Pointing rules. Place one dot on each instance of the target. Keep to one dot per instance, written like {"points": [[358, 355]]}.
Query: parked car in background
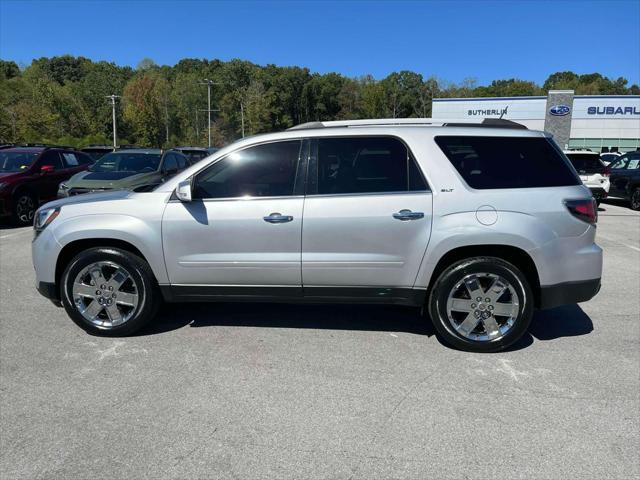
{"points": [[97, 151], [609, 157], [479, 226], [194, 154], [593, 172], [30, 175], [126, 170], [625, 178]]}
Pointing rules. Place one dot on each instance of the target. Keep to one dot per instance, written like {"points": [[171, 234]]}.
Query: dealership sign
{"points": [[560, 110], [609, 110]]}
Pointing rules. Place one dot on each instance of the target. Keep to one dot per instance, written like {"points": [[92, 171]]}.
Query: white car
{"points": [[593, 172], [479, 223]]}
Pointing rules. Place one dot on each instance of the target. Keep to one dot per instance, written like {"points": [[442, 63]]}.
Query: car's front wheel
{"points": [[635, 199], [481, 304], [109, 291], [24, 208]]}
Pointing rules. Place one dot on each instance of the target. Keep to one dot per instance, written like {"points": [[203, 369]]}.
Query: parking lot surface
{"points": [[281, 391]]}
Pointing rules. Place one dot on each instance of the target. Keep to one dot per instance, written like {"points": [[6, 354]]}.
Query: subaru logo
{"points": [[559, 110]]}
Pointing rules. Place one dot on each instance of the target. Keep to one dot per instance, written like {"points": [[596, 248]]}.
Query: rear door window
{"points": [[366, 165], [70, 159], [507, 162], [52, 159]]}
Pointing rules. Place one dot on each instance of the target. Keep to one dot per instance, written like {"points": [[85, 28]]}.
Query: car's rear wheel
{"points": [[24, 208], [108, 291], [635, 199], [481, 304]]}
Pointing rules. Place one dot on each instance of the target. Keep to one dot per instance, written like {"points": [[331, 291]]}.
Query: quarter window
{"points": [[267, 170], [366, 165]]}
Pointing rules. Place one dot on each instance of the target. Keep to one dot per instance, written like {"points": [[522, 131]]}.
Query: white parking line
{"points": [[609, 239]]}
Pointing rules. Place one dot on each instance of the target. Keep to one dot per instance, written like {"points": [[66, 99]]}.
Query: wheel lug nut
{"points": [[114, 295], [473, 305], [490, 307], [488, 300], [479, 299], [98, 292], [103, 286], [110, 289]]}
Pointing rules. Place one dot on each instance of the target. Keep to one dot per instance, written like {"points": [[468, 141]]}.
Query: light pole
{"points": [[113, 110], [208, 83]]}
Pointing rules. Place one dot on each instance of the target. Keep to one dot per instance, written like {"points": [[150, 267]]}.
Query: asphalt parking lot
{"points": [[278, 391]]}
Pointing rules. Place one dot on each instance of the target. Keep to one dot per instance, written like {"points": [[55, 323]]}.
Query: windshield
{"points": [[127, 162], [16, 161]]}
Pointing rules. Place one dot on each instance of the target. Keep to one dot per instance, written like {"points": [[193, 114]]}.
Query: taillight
{"points": [[607, 171], [585, 210]]}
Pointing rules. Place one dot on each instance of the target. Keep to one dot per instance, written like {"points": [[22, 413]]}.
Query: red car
{"points": [[30, 175]]}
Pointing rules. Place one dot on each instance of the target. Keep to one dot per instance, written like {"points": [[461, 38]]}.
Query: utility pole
{"points": [[113, 109], [208, 83], [242, 117]]}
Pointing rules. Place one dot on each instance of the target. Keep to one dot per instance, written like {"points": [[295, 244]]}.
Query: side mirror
{"points": [[183, 191], [47, 169]]}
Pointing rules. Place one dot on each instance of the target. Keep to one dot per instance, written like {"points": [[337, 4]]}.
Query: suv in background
{"points": [[97, 151], [194, 154], [593, 172], [126, 170], [479, 226], [625, 178], [30, 175]]}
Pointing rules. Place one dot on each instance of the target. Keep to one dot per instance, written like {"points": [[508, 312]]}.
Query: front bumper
{"points": [[552, 296], [49, 290]]}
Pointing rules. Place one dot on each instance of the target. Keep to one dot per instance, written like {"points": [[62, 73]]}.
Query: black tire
{"points": [[24, 206], [140, 274], [635, 199], [448, 280]]}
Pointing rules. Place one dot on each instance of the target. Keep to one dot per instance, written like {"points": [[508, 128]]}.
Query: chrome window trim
{"points": [[238, 199], [368, 194]]}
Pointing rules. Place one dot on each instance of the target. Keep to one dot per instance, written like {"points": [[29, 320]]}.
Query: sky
{"points": [[451, 40]]}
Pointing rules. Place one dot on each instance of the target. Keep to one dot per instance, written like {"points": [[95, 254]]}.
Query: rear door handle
{"points": [[405, 215], [278, 218]]}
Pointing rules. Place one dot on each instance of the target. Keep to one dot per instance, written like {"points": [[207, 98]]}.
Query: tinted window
{"points": [[170, 162], [53, 159], [262, 171], [586, 163], [182, 162], [84, 159], [70, 159], [507, 162], [366, 165]]}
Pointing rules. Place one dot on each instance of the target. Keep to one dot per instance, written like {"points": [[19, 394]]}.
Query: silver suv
{"points": [[479, 223]]}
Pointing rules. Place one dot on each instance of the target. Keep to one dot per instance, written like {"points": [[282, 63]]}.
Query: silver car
{"points": [[480, 223]]}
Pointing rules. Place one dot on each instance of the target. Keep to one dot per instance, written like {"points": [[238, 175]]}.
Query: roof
{"points": [[151, 151], [199, 149], [18, 148], [412, 122]]}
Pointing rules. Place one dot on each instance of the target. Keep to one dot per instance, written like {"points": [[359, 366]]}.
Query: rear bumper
{"points": [[598, 192], [552, 296]]}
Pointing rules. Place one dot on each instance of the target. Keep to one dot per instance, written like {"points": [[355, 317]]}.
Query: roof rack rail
{"points": [[44, 145], [489, 123], [485, 123]]}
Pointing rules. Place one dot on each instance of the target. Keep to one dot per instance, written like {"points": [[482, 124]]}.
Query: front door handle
{"points": [[278, 218], [405, 215]]}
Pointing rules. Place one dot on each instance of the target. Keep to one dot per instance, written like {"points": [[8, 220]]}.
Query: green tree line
{"points": [[63, 99]]}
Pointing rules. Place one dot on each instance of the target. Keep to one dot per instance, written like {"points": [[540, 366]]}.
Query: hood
{"points": [[111, 180], [90, 198], [4, 176]]}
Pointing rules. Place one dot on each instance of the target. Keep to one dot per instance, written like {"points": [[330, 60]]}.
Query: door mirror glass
{"points": [[183, 191]]}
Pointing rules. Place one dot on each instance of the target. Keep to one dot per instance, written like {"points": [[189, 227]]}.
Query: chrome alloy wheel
{"points": [[105, 294], [25, 209], [482, 306]]}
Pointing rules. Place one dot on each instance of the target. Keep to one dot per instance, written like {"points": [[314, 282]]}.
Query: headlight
{"points": [[43, 218], [62, 186]]}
